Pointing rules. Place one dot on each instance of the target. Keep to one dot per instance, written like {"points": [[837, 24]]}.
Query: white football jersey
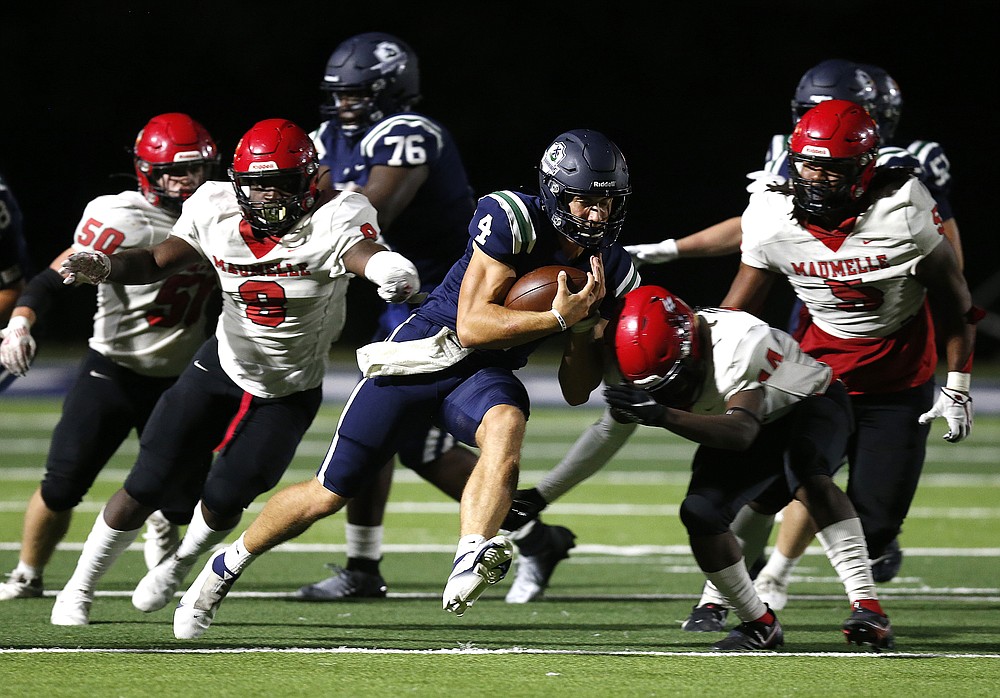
{"points": [[855, 285], [152, 329], [747, 353], [283, 300]]}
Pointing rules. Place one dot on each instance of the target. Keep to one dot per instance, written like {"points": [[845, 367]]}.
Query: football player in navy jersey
{"points": [[453, 363], [15, 264], [410, 168]]}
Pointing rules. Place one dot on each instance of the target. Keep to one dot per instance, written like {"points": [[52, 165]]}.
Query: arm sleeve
{"points": [[40, 290]]}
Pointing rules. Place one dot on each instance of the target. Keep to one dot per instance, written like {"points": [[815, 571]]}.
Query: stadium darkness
{"points": [[692, 97]]}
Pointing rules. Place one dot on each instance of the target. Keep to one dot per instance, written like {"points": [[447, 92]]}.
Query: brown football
{"points": [[536, 289]]}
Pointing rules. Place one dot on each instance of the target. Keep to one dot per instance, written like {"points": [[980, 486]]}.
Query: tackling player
{"points": [[763, 413], [283, 253]]}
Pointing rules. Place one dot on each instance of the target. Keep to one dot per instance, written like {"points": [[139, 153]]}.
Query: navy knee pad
{"points": [[61, 493]]}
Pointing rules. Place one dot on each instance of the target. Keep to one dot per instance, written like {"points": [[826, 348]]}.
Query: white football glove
{"points": [[395, 275], [18, 346], [956, 407], [653, 253], [85, 268]]}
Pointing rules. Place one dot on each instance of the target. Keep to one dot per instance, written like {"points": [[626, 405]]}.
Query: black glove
{"points": [[527, 505], [631, 405]]}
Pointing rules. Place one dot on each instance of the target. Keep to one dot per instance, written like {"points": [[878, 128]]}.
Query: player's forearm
{"points": [[581, 368], [714, 241]]}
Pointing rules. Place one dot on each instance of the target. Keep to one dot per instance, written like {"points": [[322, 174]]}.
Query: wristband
{"points": [[559, 318], [958, 381]]}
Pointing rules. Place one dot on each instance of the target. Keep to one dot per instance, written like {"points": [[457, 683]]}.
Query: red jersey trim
{"points": [[904, 359]]}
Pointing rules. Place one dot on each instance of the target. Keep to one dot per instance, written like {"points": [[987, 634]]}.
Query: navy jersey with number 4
{"points": [[512, 228]]}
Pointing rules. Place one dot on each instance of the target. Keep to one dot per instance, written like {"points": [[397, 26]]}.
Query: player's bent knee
{"points": [[60, 494], [701, 516]]}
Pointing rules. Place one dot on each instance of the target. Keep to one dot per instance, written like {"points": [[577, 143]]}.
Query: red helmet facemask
{"points": [[274, 174], [838, 137], [177, 145], [658, 348]]}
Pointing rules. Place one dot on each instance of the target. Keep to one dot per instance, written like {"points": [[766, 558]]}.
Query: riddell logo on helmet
{"points": [[602, 185], [187, 156], [262, 166], [816, 150]]}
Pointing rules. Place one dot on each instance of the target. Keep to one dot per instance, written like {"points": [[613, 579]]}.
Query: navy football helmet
{"points": [[177, 145], [840, 137], [584, 163], [889, 103], [835, 78], [368, 77], [275, 154]]}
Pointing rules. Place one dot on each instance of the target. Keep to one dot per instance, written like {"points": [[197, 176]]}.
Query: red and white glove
{"points": [[18, 346], [653, 253], [85, 268], [955, 405]]}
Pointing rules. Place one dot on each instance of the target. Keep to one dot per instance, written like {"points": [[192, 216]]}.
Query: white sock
{"points": [[752, 529], [27, 571], [237, 558], [199, 537], [735, 584], [103, 546], [844, 543], [364, 541], [592, 450], [779, 567], [711, 594]]}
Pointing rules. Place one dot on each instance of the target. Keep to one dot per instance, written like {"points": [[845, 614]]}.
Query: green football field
{"points": [[609, 626]]}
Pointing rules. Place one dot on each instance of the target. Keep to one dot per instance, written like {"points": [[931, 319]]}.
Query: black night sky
{"points": [[692, 95]]}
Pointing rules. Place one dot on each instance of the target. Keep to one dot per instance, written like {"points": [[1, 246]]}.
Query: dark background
{"points": [[691, 95]]}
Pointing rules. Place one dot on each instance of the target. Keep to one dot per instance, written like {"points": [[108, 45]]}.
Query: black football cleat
{"points": [[752, 636], [866, 627], [707, 618], [886, 566]]}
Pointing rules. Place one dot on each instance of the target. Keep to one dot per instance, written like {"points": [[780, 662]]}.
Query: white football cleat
{"points": [[476, 570], [157, 588], [18, 586], [533, 572], [72, 607], [159, 539], [197, 608], [771, 591]]}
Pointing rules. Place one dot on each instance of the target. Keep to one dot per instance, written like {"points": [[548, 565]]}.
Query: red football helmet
{"points": [[658, 347], [840, 137], [274, 174], [177, 145]]}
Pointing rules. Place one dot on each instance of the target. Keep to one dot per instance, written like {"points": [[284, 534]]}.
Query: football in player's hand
{"points": [[536, 289]]}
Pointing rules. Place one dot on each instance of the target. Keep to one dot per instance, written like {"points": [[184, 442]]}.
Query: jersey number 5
{"points": [[856, 297]]}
